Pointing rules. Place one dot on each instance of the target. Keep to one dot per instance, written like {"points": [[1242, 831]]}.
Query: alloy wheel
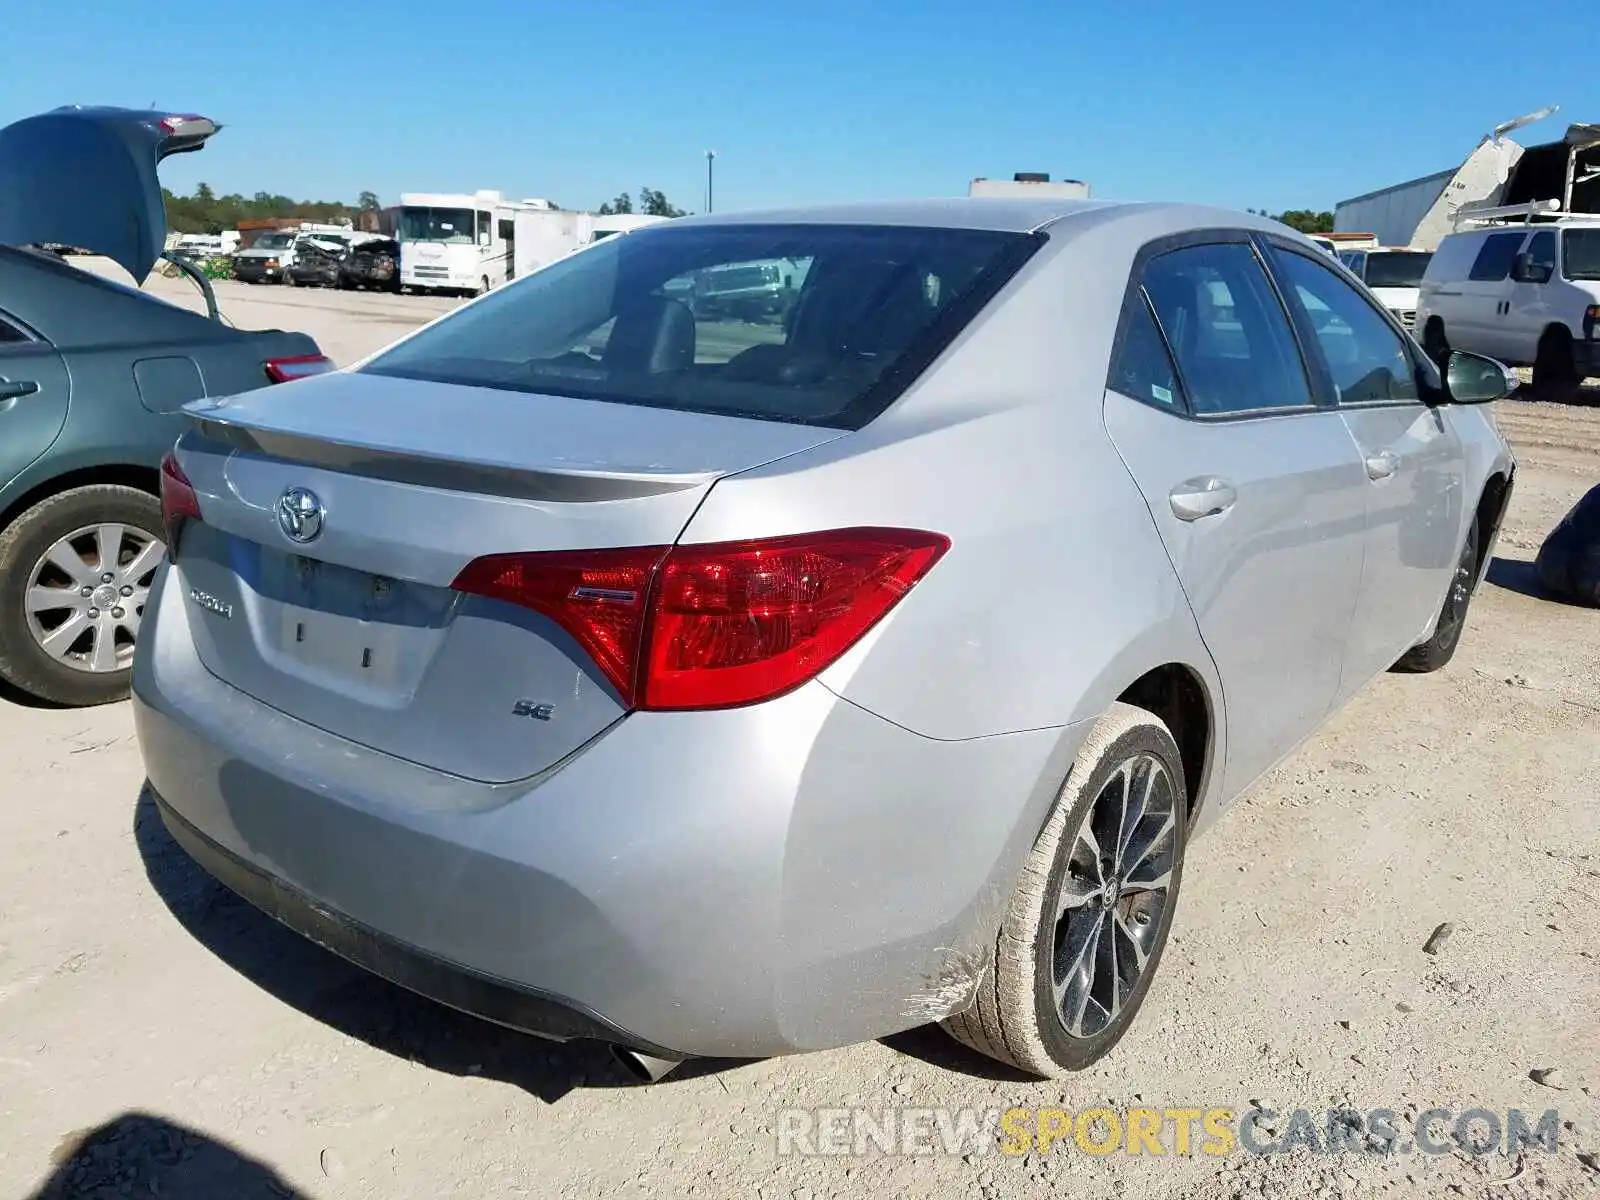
{"points": [[86, 595], [1114, 895]]}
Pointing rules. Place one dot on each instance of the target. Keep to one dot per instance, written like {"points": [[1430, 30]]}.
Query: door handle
{"points": [[1381, 466], [1203, 496], [12, 389]]}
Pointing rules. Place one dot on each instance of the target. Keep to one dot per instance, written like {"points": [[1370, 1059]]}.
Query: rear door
{"points": [[1411, 458], [1257, 489], [33, 397]]}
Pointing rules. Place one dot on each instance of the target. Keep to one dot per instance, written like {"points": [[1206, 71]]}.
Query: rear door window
{"points": [[1143, 368], [1495, 257], [816, 324], [1232, 340]]}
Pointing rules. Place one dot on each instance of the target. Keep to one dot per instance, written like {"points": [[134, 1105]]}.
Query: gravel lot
{"points": [[158, 1037]]}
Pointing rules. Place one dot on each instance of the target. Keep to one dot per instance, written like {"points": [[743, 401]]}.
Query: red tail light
{"points": [[718, 625], [299, 366], [178, 501]]}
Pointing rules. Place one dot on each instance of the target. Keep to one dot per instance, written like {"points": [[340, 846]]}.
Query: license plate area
{"points": [[333, 622]]}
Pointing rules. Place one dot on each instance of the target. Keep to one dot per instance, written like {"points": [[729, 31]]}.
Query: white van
{"points": [[1526, 294], [1393, 274]]}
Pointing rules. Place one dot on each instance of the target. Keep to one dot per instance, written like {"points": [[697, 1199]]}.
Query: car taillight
{"points": [[178, 501], [298, 366], [716, 625]]}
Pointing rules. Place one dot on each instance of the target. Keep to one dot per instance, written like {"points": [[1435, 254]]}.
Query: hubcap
{"points": [[86, 595], [1114, 895]]}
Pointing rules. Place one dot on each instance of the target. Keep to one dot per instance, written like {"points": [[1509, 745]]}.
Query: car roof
{"points": [[999, 213]]}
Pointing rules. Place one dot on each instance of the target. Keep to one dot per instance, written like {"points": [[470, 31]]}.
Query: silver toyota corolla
{"points": [[615, 666]]}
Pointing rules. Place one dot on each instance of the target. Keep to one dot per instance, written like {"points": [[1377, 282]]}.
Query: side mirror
{"points": [[1475, 379], [1525, 270]]}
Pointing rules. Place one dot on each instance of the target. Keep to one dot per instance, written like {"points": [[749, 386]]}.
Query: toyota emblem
{"points": [[300, 515]]}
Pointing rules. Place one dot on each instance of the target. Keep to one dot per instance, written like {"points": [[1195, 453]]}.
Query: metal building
{"points": [[1392, 214]]}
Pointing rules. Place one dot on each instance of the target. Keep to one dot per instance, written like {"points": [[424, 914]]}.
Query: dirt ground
{"points": [[159, 1037]]}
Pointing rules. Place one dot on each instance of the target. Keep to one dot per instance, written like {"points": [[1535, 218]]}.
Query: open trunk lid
{"points": [[86, 177], [336, 512]]}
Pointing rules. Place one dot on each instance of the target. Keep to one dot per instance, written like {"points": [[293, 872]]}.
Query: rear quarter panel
{"points": [[1056, 593]]}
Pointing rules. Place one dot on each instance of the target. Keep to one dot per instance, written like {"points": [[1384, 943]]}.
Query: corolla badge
{"points": [[300, 515]]}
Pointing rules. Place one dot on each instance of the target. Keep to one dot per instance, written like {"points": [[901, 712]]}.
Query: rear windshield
{"points": [[1396, 270], [816, 324]]}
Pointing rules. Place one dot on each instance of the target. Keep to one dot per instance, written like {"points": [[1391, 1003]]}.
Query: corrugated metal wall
{"points": [[1392, 213]]}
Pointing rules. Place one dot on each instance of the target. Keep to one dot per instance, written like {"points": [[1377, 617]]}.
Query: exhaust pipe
{"points": [[645, 1068]]}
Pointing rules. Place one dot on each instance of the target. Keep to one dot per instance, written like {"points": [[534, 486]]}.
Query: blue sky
{"points": [[1265, 105]]}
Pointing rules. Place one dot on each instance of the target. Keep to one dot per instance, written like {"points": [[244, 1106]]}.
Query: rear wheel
{"points": [[1441, 647], [483, 285], [1555, 371], [1082, 938], [75, 572]]}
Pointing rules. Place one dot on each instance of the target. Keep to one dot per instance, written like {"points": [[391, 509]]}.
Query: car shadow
{"points": [[357, 1003], [1578, 395], [1517, 575], [934, 1046], [138, 1154], [10, 694]]}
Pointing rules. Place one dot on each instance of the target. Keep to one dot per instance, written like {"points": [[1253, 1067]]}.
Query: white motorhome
{"points": [[465, 242], [1030, 184]]}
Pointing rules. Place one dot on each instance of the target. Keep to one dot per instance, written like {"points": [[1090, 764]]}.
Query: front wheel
{"points": [[1083, 935], [1441, 647], [1436, 344], [75, 572]]}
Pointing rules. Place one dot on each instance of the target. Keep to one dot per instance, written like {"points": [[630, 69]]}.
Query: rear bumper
{"points": [[790, 876], [494, 999]]}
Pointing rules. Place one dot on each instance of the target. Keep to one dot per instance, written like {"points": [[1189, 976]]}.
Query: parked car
{"points": [[1393, 274], [93, 377], [317, 262], [580, 665], [267, 259], [1528, 294], [372, 264]]}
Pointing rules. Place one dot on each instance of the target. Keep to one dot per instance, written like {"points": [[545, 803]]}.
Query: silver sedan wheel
{"points": [[1114, 896], [86, 595]]}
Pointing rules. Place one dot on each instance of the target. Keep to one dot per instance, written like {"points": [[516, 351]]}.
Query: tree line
{"points": [[1303, 219], [204, 211]]}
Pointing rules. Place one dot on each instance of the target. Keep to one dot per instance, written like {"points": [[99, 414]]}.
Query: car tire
{"points": [[1435, 344], [69, 519], [483, 286], [1555, 371], [1020, 1015], [1440, 647]]}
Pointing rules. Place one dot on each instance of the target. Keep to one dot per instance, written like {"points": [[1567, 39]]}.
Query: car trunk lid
{"points": [[395, 486], [86, 177]]}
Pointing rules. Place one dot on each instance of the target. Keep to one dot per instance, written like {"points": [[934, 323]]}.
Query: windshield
{"points": [[1580, 254], [649, 319], [1396, 270], [273, 241], [436, 224]]}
